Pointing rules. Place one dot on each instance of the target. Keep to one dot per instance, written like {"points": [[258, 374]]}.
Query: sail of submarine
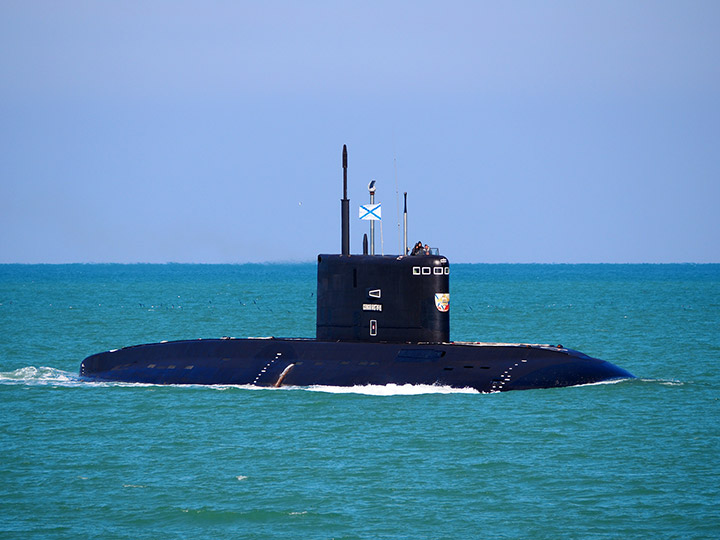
{"points": [[381, 320]]}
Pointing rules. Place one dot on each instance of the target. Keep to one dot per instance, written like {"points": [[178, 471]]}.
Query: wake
{"points": [[40, 376]]}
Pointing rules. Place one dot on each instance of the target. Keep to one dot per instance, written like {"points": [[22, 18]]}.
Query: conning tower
{"points": [[378, 298]]}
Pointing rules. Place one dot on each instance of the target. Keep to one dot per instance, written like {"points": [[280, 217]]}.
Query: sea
{"points": [[632, 459]]}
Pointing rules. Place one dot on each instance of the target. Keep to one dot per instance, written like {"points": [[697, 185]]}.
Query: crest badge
{"points": [[442, 301]]}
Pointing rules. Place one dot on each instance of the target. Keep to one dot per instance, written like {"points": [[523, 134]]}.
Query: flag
{"points": [[371, 211]]}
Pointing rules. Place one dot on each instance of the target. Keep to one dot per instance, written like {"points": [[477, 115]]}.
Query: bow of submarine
{"points": [[574, 369]]}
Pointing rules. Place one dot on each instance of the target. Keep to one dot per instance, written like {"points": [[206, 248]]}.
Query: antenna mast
{"points": [[397, 198]]}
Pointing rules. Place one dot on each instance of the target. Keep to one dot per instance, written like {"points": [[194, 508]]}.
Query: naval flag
{"points": [[371, 211]]}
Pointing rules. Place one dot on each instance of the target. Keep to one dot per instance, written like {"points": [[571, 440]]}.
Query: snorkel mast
{"points": [[345, 207]]}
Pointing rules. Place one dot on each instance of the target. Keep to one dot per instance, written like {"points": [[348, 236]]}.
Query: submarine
{"points": [[381, 320]]}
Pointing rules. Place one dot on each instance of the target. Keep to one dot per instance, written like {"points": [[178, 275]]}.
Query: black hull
{"points": [[309, 362]]}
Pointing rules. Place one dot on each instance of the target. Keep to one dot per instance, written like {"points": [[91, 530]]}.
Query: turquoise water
{"points": [[633, 459]]}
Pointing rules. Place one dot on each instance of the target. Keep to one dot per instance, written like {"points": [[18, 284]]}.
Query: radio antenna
{"points": [[397, 198]]}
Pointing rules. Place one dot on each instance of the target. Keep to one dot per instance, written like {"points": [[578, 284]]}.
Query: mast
{"points": [[345, 207], [405, 245], [371, 189]]}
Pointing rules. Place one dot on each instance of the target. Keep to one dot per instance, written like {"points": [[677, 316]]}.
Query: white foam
{"points": [[599, 383], [627, 380], [48, 376], [393, 389], [39, 376], [223, 387], [369, 390], [664, 382]]}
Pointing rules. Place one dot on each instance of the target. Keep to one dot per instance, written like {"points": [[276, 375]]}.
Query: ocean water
{"points": [[632, 459]]}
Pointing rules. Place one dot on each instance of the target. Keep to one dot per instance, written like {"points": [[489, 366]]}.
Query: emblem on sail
{"points": [[442, 301]]}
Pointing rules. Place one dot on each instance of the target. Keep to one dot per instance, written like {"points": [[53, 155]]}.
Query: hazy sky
{"points": [[171, 131]]}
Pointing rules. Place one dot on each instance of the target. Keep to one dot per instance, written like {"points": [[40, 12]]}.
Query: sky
{"points": [[212, 131]]}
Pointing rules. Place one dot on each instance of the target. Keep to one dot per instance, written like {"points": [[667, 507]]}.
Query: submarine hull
{"points": [[485, 367]]}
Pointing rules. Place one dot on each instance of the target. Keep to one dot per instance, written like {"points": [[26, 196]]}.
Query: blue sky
{"points": [[171, 131]]}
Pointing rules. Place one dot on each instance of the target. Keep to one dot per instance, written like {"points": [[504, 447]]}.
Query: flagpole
{"points": [[373, 212], [371, 189]]}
